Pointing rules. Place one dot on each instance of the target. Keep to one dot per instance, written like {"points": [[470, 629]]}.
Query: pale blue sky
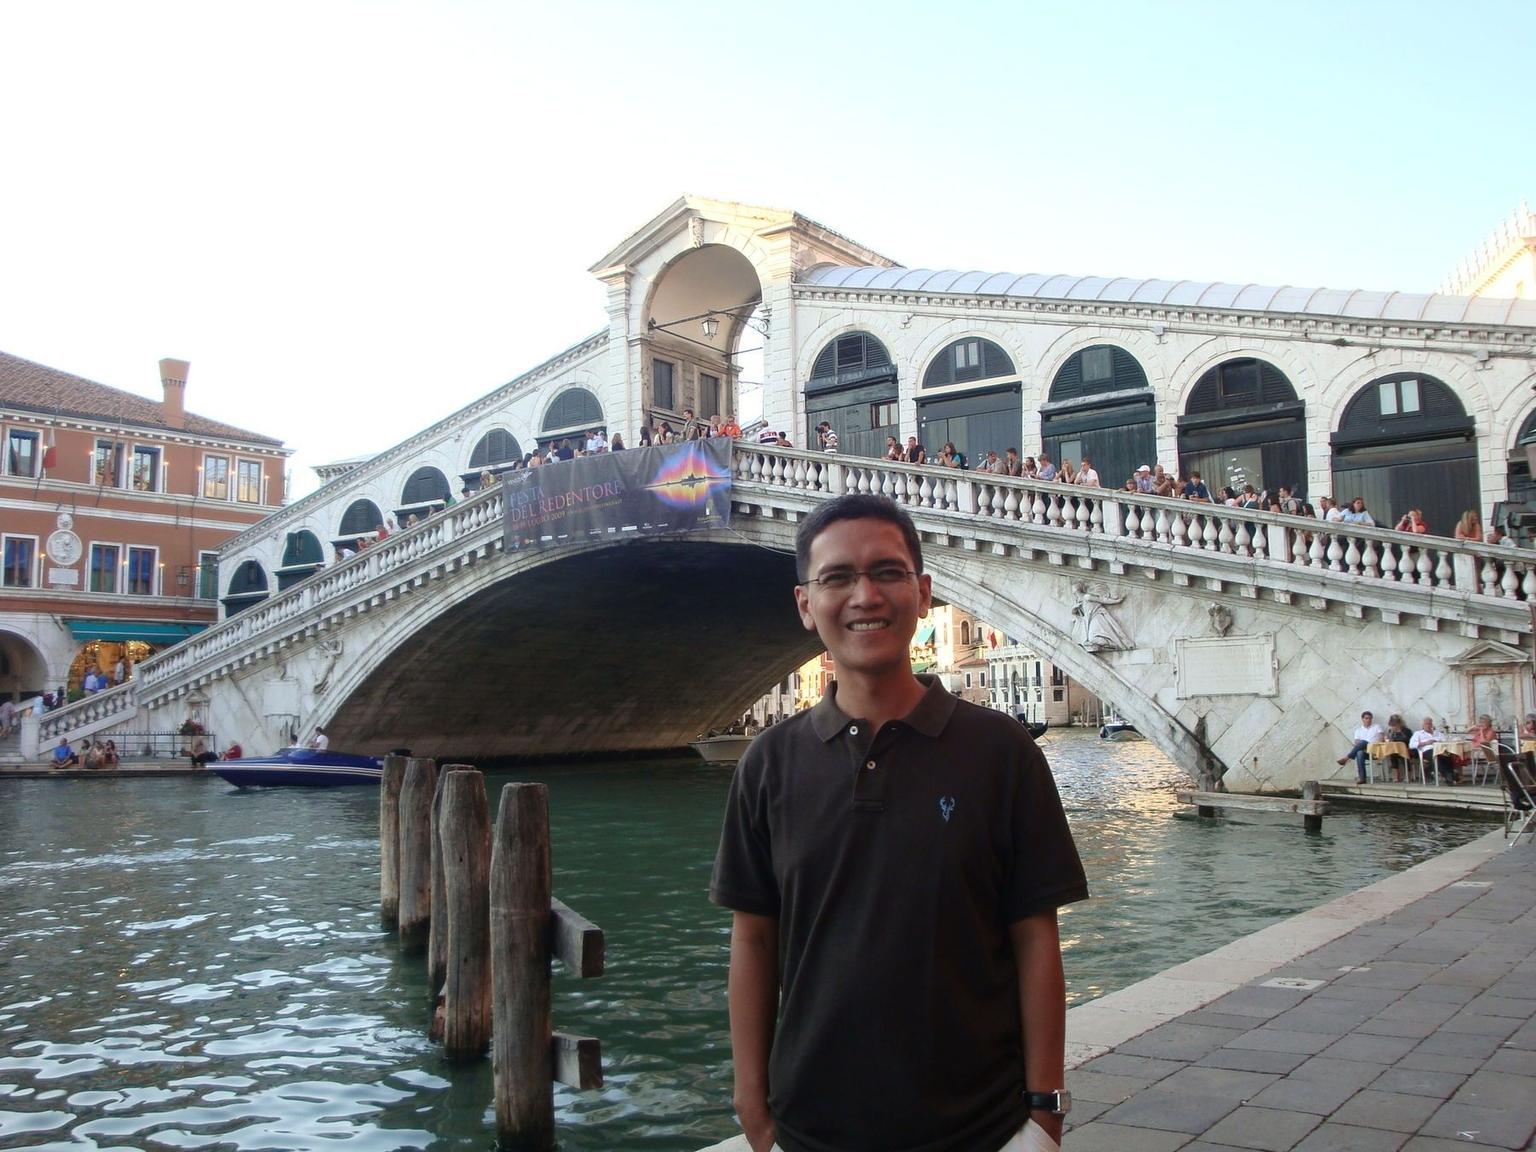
{"points": [[355, 217]]}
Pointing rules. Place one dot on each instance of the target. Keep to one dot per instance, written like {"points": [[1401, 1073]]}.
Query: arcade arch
{"points": [[695, 320], [974, 401], [1244, 424], [362, 518], [302, 557], [23, 671], [1100, 405], [852, 386], [247, 586], [1519, 511], [495, 452], [1406, 441], [571, 414], [424, 493]]}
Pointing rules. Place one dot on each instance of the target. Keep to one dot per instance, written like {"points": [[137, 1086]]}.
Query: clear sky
{"points": [[355, 217]]}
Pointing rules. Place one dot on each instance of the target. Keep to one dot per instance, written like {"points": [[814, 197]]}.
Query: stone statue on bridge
{"points": [[1097, 630]]}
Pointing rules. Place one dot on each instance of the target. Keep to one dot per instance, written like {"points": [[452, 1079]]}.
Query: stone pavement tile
{"points": [[1460, 1044], [1441, 994], [1473, 972], [1430, 1011], [1353, 1074], [1257, 1001], [1104, 1087], [1524, 1036], [1414, 1081], [1518, 1060], [1265, 1128], [1335, 1017], [1395, 1111], [1149, 1069], [1408, 1029], [1171, 1111], [1375, 1049], [1434, 1144], [1086, 1110], [1218, 1019], [1489, 1126], [1237, 1084], [1251, 1060], [1439, 1062], [1498, 1090], [1271, 1039], [1099, 1136], [1207, 1146], [1319, 1097], [1177, 1041], [1470, 1024], [1348, 1138], [1390, 974], [1490, 1005], [1361, 993]]}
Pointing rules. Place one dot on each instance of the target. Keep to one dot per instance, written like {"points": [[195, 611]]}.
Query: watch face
{"points": [[64, 547]]}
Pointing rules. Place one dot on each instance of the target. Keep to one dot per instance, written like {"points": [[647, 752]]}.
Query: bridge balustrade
{"points": [[1340, 549]]}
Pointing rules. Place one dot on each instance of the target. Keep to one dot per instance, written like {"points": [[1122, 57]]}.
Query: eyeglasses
{"points": [[843, 579]]}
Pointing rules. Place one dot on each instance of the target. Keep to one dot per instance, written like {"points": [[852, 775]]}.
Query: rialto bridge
{"points": [[1242, 640], [435, 639]]}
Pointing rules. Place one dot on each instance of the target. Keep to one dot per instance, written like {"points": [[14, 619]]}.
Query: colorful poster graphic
{"points": [[672, 488]]}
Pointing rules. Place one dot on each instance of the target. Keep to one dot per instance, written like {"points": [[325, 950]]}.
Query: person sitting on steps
{"points": [[1367, 734]]}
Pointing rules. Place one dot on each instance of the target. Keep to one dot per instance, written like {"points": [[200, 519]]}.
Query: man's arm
{"points": [[1042, 1008], [753, 997]]}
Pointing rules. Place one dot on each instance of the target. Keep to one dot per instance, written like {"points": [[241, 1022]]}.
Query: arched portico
{"points": [[23, 669]]}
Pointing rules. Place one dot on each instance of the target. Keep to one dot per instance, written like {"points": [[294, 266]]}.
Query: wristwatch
{"points": [[1057, 1103]]}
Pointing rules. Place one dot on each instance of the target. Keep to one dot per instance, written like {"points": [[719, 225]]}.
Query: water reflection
{"points": [[185, 965]]}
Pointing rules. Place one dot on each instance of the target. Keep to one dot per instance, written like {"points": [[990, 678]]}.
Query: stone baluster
{"points": [[1336, 554], [797, 480], [1210, 534], [1000, 501], [1037, 508], [1011, 503], [1317, 553], [1260, 540], [1053, 514], [1164, 528], [1455, 570], [1510, 583], [1132, 523], [1082, 516], [926, 486], [1369, 559], [1180, 531], [1490, 578], [1225, 539], [1528, 584], [1242, 540], [1352, 556], [1388, 562], [1096, 515]]}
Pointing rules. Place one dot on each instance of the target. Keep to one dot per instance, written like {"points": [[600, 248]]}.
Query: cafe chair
{"points": [[1518, 784], [1485, 761]]}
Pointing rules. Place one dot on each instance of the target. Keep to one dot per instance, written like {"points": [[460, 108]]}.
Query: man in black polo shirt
{"points": [[893, 860]]}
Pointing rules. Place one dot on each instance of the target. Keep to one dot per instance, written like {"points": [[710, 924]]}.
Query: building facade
{"points": [[114, 508]]}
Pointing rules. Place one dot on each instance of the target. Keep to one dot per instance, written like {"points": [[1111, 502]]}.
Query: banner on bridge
{"points": [[668, 488]]}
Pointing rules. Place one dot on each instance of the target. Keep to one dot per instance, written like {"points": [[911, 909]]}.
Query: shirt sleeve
{"points": [[743, 878], [1046, 872]]}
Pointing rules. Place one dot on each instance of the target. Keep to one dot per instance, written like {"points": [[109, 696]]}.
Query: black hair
{"points": [[855, 506]]}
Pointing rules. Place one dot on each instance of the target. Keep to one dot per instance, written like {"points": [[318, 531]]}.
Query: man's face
{"points": [[867, 628], [1365, 718], [1429, 725], [911, 441]]}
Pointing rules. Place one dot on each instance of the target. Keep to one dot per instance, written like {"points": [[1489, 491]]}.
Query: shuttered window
{"points": [[963, 361]]}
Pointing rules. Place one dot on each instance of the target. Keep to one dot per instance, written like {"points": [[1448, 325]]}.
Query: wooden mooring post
{"points": [[389, 840], [464, 822], [528, 927], [417, 796], [437, 935]]}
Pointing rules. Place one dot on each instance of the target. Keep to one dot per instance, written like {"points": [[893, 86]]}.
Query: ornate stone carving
{"points": [[1097, 630], [1221, 619], [332, 651], [696, 231]]}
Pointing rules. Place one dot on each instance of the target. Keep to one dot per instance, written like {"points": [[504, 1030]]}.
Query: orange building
{"points": [[112, 507]]}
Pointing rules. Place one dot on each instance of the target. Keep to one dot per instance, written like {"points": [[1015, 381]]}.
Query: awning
{"points": [[923, 665], [149, 631], [924, 634]]}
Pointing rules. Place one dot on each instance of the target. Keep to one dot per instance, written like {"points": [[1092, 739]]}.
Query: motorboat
{"points": [[725, 749], [299, 768], [1118, 729]]}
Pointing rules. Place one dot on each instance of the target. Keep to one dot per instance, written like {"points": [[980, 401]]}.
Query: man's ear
{"points": [[803, 606], [925, 594]]}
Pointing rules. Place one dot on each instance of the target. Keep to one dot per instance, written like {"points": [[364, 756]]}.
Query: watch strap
{"points": [[1058, 1103]]}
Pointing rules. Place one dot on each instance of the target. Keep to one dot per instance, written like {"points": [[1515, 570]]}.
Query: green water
{"points": [[184, 965]]}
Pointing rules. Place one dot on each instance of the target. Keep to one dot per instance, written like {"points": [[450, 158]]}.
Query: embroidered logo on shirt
{"points": [[946, 807]]}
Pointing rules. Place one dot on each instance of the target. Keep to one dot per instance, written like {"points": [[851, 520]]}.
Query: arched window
{"points": [[573, 408], [967, 360], [360, 518], [988, 417], [1521, 483], [302, 556], [498, 446], [247, 586], [426, 486], [1244, 424], [1405, 441], [965, 632], [853, 388], [1101, 406]]}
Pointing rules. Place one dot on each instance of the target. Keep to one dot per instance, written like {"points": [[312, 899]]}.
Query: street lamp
{"points": [[711, 326]]}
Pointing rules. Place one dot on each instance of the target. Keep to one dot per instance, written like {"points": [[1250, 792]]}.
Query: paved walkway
{"points": [[1413, 1031]]}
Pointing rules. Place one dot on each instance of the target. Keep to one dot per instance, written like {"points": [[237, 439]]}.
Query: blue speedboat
{"points": [[299, 767]]}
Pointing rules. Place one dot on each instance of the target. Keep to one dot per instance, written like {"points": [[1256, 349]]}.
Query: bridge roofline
{"points": [[1184, 295], [372, 465]]}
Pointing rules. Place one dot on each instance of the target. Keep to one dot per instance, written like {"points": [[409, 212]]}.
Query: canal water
{"points": [[187, 966]]}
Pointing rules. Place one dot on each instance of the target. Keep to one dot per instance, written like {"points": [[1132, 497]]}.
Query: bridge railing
{"points": [[1340, 549], [395, 551], [1162, 525]]}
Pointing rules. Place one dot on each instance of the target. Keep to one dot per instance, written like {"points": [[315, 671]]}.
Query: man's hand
{"points": [[757, 1124]]}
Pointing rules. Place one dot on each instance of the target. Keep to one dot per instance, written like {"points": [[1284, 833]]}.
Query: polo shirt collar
{"points": [[929, 716]]}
